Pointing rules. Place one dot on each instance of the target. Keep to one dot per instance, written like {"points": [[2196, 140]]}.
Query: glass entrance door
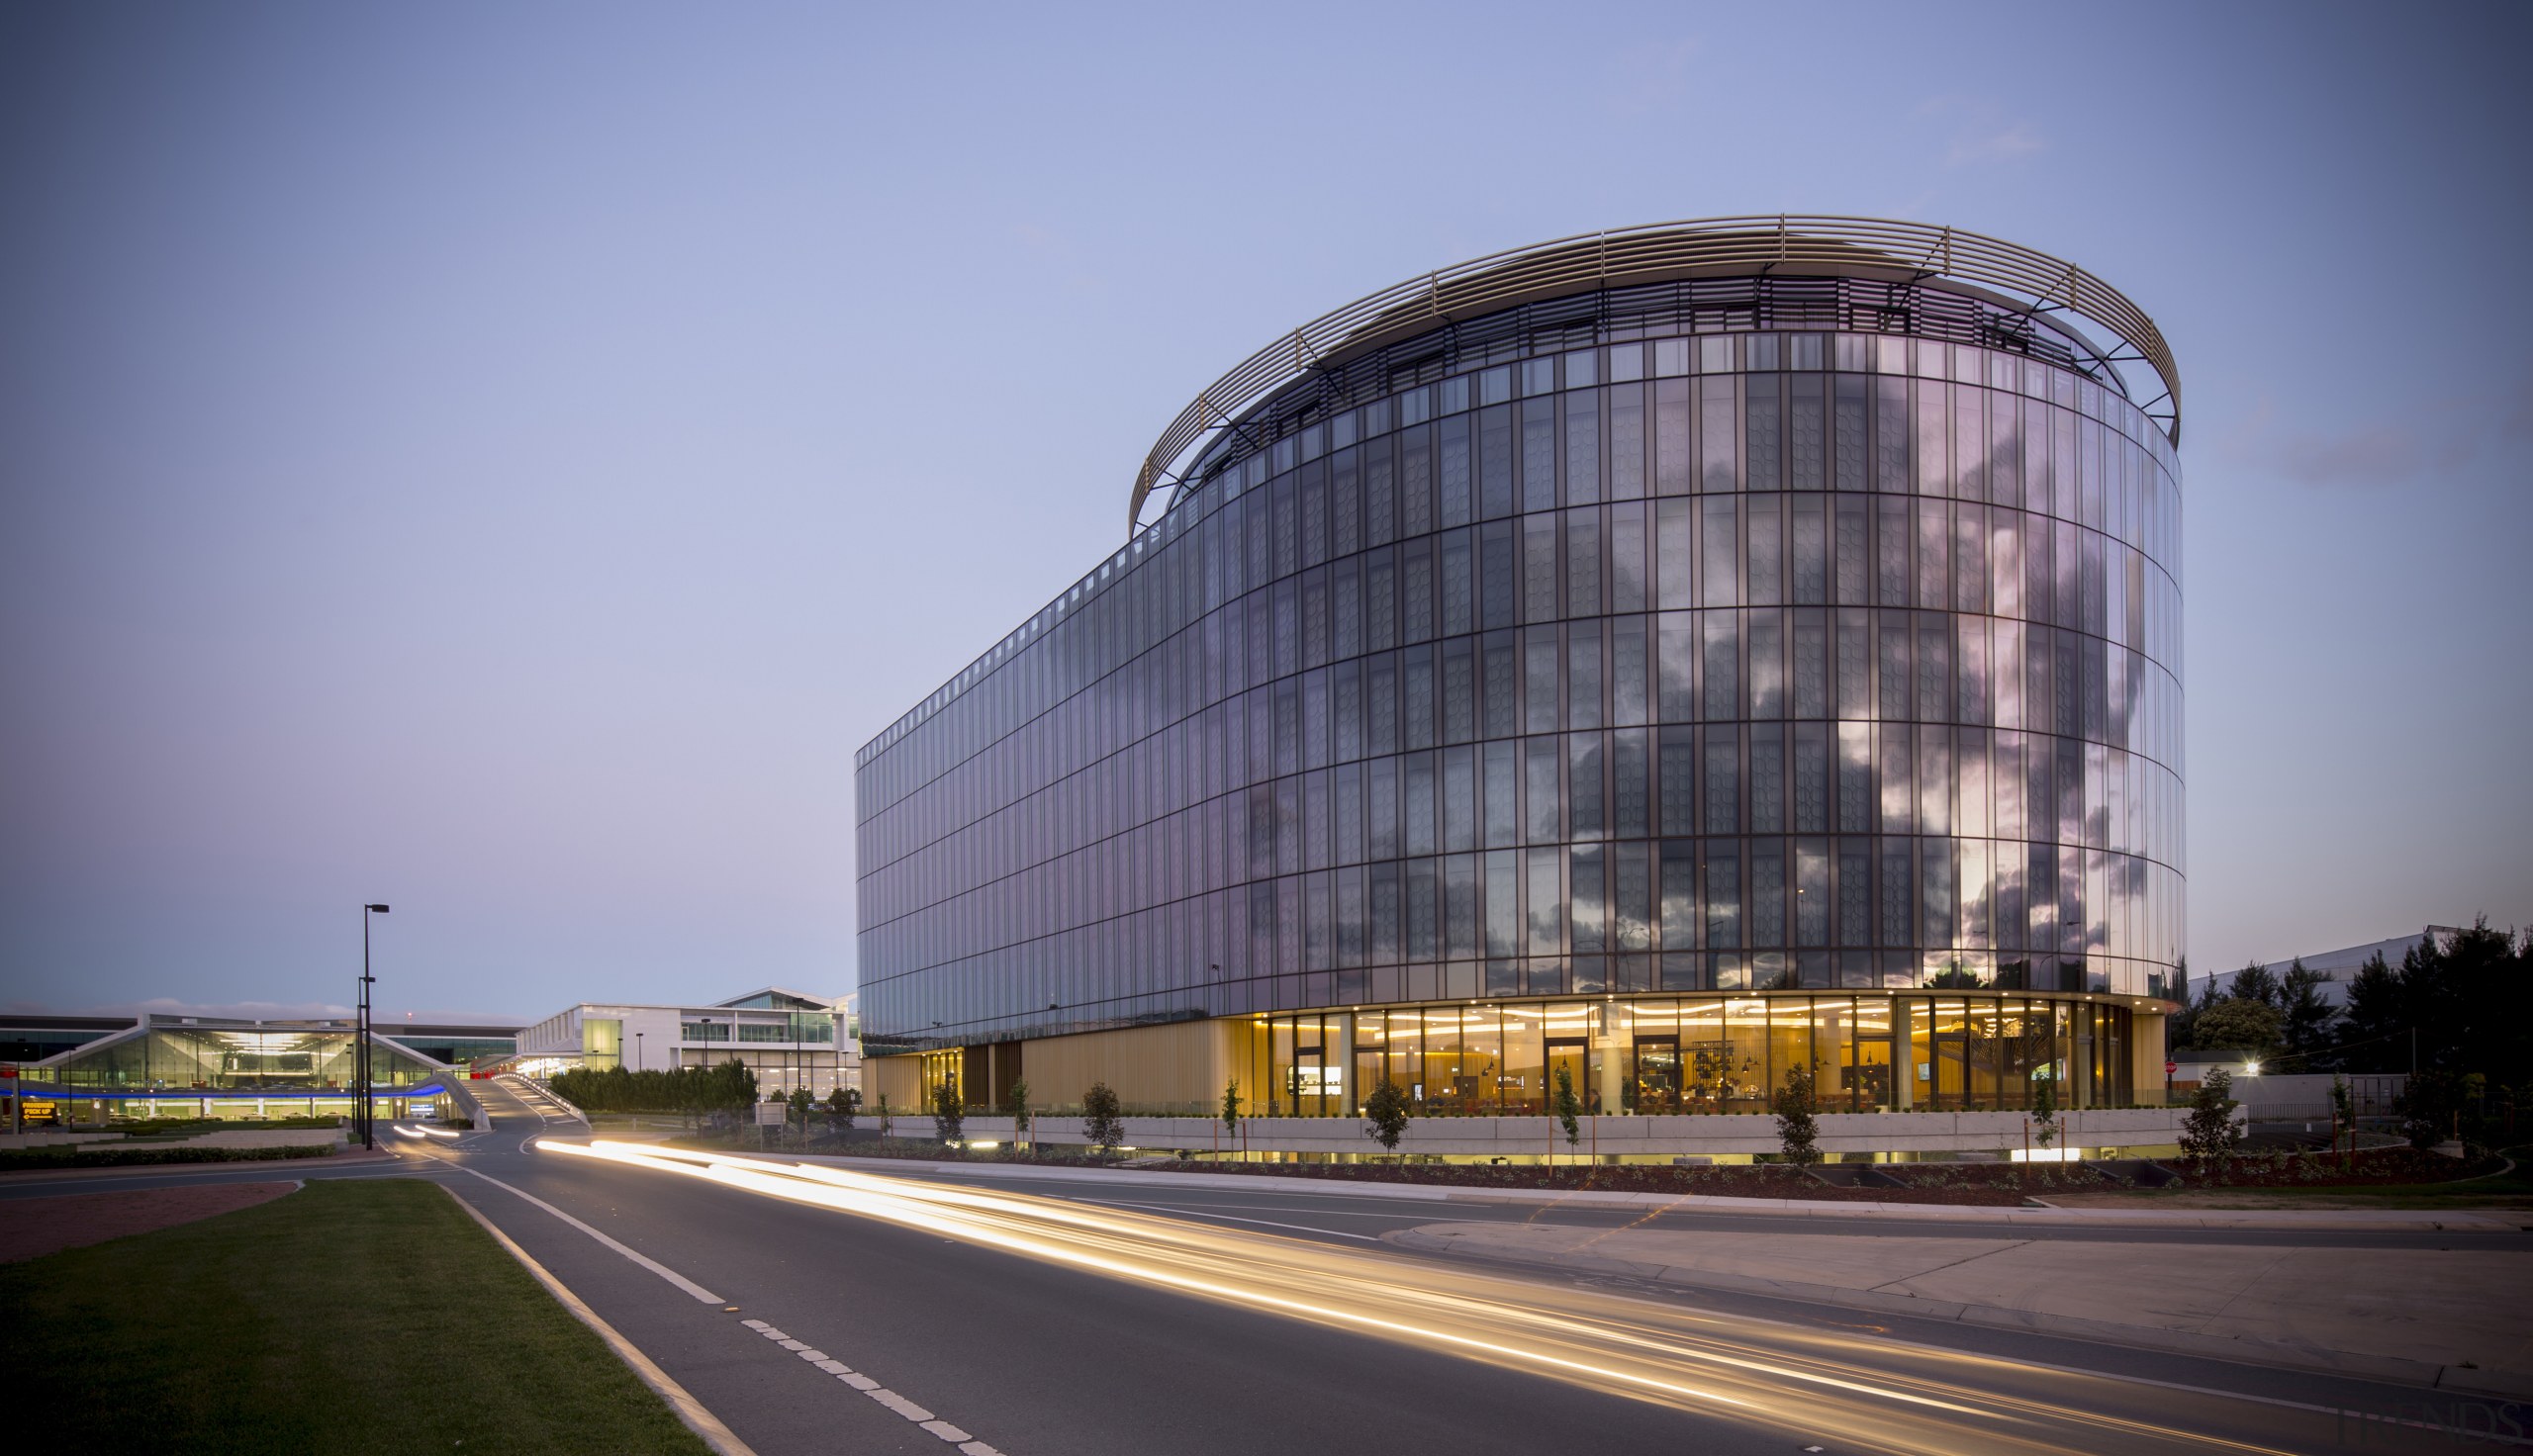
{"points": [[1571, 1059], [1657, 1082]]}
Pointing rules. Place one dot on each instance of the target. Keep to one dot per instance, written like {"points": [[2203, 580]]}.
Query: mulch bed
{"points": [[1994, 1185], [31, 1228]]}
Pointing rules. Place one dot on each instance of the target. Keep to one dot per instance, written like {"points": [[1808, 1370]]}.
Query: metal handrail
{"points": [[1872, 248]]}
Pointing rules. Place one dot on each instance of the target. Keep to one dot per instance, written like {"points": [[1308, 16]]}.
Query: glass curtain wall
{"points": [[1795, 659]]}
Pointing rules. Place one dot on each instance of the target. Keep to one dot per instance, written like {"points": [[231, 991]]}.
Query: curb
{"points": [[2389, 1368], [2303, 1219], [690, 1411]]}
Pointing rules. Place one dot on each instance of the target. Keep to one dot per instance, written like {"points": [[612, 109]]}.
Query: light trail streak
{"points": [[1876, 1395]]}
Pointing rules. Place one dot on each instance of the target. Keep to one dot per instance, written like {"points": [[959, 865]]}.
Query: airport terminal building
{"points": [[1680, 656]]}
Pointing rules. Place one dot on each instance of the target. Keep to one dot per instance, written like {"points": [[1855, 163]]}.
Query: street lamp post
{"points": [[362, 1111], [637, 1051]]}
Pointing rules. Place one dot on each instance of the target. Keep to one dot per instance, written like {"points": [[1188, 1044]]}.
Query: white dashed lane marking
{"points": [[923, 1420]]}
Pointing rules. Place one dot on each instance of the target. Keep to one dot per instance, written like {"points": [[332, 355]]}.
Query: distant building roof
{"points": [[776, 998], [2337, 967]]}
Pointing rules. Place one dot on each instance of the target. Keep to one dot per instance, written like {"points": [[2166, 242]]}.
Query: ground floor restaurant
{"points": [[1929, 1053]]}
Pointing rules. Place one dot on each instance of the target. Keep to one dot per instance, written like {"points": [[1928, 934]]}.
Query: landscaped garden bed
{"points": [[17, 1159], [1993, 1184]]}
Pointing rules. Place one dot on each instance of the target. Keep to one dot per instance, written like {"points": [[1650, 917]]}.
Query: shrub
{"points": [[2209, 1133], [1386, 1111], [1102, 1119], [949, 1113], [1798, 1127], [2430, 1104]]}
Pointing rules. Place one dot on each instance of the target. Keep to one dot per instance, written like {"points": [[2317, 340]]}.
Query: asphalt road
{"points": [[1049, 1318]]}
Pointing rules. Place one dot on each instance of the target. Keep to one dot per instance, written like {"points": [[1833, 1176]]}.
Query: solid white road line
{"points": [[688, 1409], [697, 1291]]}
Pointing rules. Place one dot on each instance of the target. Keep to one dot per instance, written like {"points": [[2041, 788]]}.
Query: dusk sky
{"points": [[504, 460]]}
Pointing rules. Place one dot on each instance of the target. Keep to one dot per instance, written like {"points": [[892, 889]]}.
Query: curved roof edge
{"points": [[1802, 246]]}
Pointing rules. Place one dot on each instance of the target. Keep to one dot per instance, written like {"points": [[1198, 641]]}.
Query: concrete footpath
{"points": [[2453, 1319]]}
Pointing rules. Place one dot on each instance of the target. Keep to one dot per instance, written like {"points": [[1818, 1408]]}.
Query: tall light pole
{"points": [[362, 1112]]}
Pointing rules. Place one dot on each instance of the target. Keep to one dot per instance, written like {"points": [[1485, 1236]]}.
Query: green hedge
{"points": [[728, 1087], [158, 1126], [15, 1158]]}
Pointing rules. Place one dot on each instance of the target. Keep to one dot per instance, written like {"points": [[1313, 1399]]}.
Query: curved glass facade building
{"points": [[1684, 656]]}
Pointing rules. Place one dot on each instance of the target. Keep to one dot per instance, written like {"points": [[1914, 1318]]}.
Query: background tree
{"points": [[1570, 1108], [2460, 1002], [2430, 1106], [1231, 1109], [2256, 983], [2304, 1020], [1386, 1111], [1103, 1121], [888, 1124], [949, 1113], [796, 1108], [2236, 1024], [2374, 1029], [1798, 1123], [2182, 1033], [2209, 1133], [2044, 1110], [842, 1102]]}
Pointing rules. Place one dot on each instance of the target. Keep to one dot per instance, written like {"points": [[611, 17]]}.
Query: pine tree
{"points": [[2257, 982], [2374, 1029], [2306, 1019]]}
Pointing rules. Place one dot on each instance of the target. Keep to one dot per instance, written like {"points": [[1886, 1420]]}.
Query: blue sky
{"points": [[504, 460]]}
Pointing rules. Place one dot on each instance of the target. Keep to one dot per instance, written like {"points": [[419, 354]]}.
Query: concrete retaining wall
{"points": [[1721, 1134]]}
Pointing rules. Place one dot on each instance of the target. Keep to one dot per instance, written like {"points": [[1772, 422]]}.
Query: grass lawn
{"points": [[353, 1317]]}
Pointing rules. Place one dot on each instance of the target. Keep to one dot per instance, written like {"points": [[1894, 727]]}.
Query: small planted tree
{"points": [[2210, 1134], [842, 1104], [1102, 1120], [1230, 1108], [1386, 1111], [2045, 1110], [1570, 1108], [1017, 1103], [1798, 1123], [949, 1113], [797, 1107], [888, 1124], [2343, 1116]]}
